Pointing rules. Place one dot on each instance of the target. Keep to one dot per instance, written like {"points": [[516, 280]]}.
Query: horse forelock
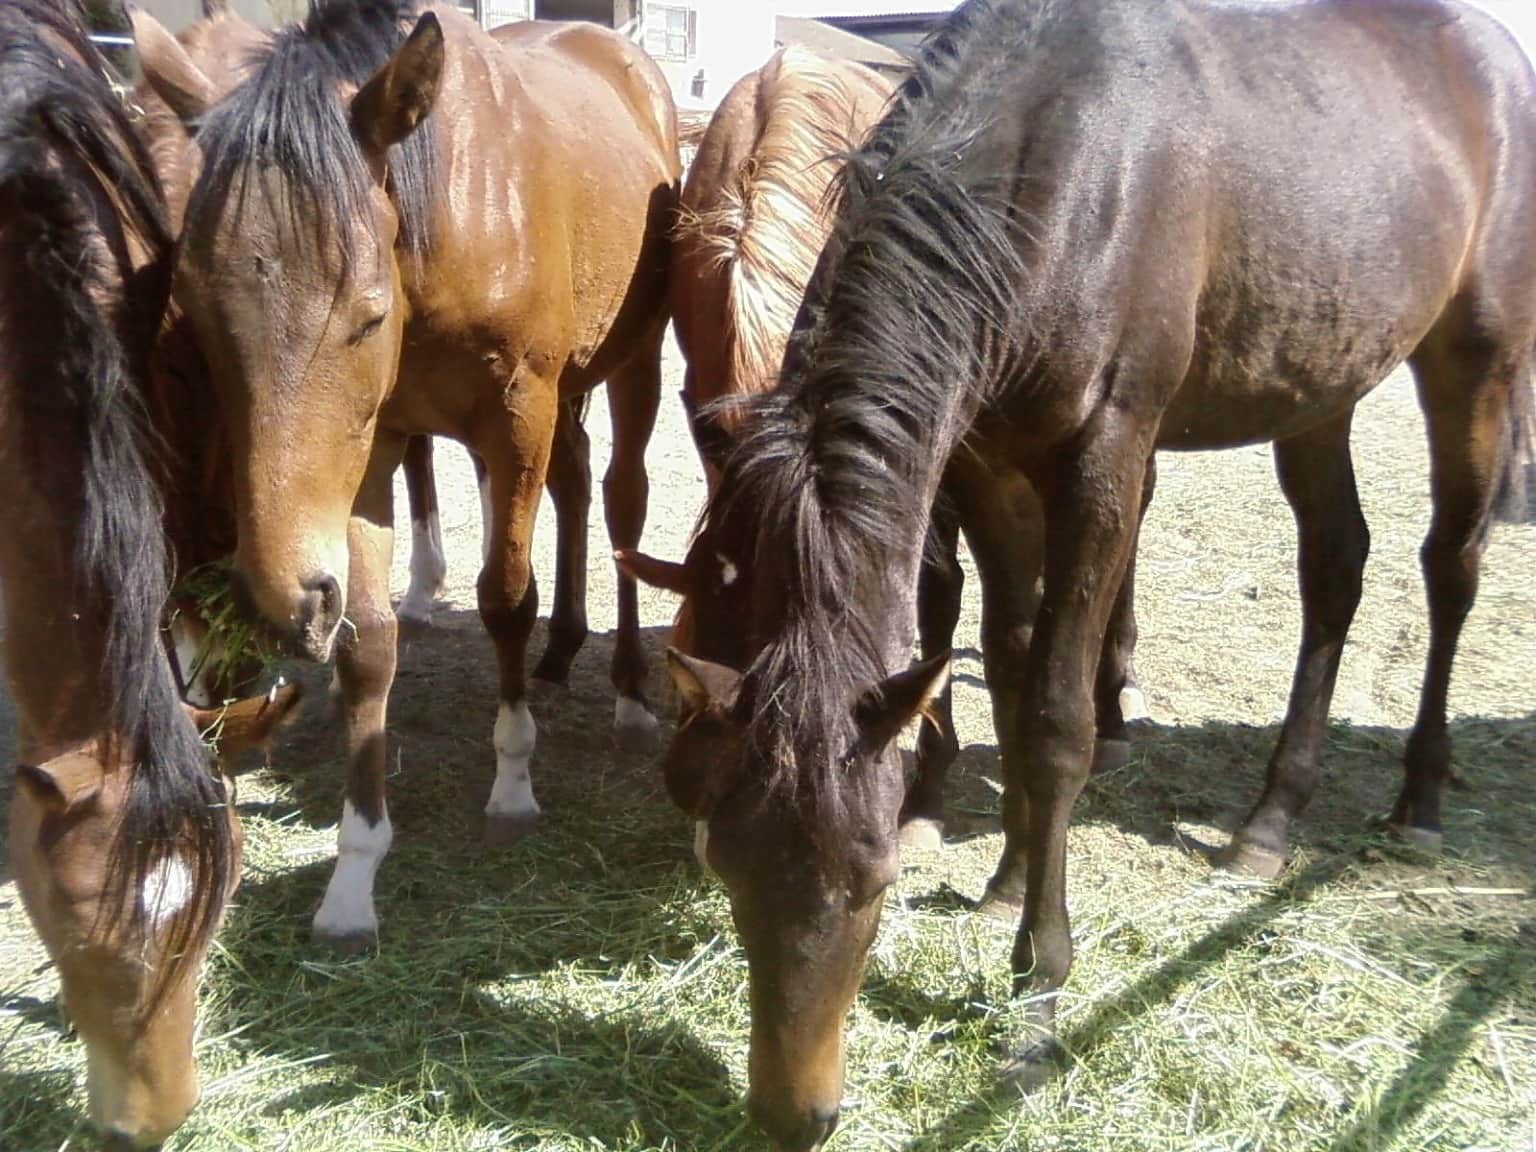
{"points": [[287, 119], [66, 149], [910, 322]]}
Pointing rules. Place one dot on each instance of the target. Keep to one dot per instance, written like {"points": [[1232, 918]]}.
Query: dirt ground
{"points": [[1219, 623]]}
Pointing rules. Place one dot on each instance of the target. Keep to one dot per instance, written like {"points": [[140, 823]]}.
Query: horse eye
{"points": [[366, 329]]}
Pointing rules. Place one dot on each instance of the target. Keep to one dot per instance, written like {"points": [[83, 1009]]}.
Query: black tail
{"points": [[66, 147], [1514, 500]]}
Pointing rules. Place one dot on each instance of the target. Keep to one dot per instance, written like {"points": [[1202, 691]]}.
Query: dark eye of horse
{"points": [[366, 329]]}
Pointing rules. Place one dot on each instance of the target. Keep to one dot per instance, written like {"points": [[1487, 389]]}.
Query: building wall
{"points": [[732, 38]]}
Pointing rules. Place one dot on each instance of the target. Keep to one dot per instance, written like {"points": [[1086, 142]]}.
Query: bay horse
{"points": [[122, 834], [357, 270], [222, 45], [1086, 231], [753, 218]]}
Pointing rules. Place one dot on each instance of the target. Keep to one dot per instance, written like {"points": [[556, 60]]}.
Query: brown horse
{"points": [[358, 270], [1088, 230], [754, 218], [122, 837]]}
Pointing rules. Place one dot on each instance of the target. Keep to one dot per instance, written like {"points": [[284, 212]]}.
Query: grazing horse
{"points": [[122, 839], [1085, 231], [753, 220], [357, 270]]}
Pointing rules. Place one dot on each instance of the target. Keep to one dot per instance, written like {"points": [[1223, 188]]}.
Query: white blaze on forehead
{"points": [[167, 890], [347, 909], [728, 572], [514, 738]]}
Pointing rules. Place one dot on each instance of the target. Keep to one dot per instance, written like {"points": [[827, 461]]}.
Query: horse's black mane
{"points": [[909, 323], [78, 398], [288, 114]]}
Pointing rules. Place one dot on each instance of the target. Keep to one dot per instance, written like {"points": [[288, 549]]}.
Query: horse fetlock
{"points": [[511, 812], [634, 726], [346, 918]]}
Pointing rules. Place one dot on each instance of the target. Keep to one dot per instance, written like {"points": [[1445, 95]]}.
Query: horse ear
{"points": [[884, 709], [248, 723], [401, 94], [64, 782], [664, 574], [169, 69], [703, 686]]}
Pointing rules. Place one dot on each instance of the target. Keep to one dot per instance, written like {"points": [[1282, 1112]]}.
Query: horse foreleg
{"points": [[570, 491], [516, 458], [1047, 745], [634, 395], [429, 567], [1118, 699], [365, 669], [941, 585]]}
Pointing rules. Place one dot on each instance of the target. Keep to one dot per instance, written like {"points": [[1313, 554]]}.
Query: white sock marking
{"points": [[701, 844], [1133, 705], [166, 890], [188, 647], [632, 715], [514, 738], [347, 909], [428, 568]]}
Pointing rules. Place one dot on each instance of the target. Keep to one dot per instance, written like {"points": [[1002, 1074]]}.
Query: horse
{"points": [[753, 220], [122, 836], [1085, 232], [222, 44], [357, 270]]}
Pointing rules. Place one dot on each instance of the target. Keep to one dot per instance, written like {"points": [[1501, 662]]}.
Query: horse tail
{"points": [[61, 126], [1514, 500]]}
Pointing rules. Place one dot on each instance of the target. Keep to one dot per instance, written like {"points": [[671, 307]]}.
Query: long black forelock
{"points": [[61, 131], [288, 119], [910, 322]]}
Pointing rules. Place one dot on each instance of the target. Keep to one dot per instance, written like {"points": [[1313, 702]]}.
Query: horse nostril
{"points": [[805, 1132], [826, 1119]]}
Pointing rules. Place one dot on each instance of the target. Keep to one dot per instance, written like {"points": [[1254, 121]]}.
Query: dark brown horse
{"points": [[755, 215], [1088, 230], [357, 270], [122, 837]]}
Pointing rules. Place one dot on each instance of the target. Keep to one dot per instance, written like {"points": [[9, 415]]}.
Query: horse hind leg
{"points": [[1466, 394], [429, 567], [634, 396], [1318, 479], [570, 491], [1118, 698]]}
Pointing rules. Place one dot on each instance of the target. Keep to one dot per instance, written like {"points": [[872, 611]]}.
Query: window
{"points": [[671, 31]]}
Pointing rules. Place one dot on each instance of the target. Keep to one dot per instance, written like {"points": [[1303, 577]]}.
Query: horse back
{"points": [[755, 213], [1337, 175], [561, 162]]}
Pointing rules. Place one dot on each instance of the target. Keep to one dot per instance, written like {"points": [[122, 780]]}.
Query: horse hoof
{"points": [[1425, 840], [1133, 705], [1249, 860], [553, 669], [634, 728], [996, 906], [1110, 755], [413, 622], [921, 834], [502, 830], [1032, 1066], [350, 942]]}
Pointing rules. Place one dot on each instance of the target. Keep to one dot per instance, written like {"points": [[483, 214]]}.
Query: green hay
{"points": [[234, 643]]}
